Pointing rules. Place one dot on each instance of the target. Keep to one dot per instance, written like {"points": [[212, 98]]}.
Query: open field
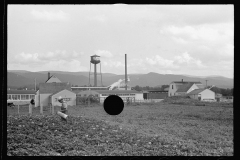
{"points": [[143, 129]]}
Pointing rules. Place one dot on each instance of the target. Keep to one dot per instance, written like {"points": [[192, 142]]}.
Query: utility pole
{"points": [[35, 84], [126, 81]]}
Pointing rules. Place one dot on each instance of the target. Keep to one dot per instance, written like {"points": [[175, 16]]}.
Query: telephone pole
{"points": [[206, 83], [35, 84]]}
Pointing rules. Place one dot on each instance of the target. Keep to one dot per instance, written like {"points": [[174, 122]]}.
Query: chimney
{"points": [[48, 75]]}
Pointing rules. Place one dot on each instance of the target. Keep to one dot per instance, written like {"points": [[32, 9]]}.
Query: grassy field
{"points": [[207, 129]]}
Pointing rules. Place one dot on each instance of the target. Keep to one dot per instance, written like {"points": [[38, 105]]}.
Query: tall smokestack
{"points": [[48, 75], [126, 71]]}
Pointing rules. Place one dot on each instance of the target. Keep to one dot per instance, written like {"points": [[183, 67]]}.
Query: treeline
{"points": [[139, 88], [224, 92]]}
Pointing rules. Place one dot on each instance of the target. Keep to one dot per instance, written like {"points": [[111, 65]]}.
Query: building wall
{"points": [[87, 92], [157, 95], [194, 96], [207, 94], [44, 99], [70, 98], [139, 96]]}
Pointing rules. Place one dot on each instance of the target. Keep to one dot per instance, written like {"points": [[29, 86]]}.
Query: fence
{"points": [[29, 109], [32, 110]]}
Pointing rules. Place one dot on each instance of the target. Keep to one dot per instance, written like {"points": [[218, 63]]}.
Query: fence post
{"points": [[30, 109], [41, 108], [18, 109], [52, 107]]}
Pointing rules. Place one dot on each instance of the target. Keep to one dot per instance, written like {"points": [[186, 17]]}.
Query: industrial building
{"points": [[155, 94], [20, 96]]}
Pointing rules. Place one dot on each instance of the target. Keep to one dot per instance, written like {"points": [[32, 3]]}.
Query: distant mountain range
{"points": [[20, 78]]}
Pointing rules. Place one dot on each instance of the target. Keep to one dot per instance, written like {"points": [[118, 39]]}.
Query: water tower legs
{"points": [[95, 75]]}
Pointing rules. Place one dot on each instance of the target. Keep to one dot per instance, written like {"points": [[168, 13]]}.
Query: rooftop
{"points": [[185, 87], [21, 91], [196, 91], [184, 82], [53, 87], [61, 91], [116, 91]]}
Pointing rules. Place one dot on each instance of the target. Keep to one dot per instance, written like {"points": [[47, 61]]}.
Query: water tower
{"points": [[95, 59]]}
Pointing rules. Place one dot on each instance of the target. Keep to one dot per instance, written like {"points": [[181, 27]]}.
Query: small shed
{"points": [[202, 94], [67, 95]]}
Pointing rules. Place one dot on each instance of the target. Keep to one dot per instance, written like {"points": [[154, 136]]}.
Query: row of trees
{"points": [[139, 88], [224, 92]]}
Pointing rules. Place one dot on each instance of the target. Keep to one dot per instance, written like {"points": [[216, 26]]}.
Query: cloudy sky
{"points": [[167, 39]]}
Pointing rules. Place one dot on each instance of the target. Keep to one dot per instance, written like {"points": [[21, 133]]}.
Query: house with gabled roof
{"points": [[52, 86], [202, 94], [177, 88], [52, 79]]}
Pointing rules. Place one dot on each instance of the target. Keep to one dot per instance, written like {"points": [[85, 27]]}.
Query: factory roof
{"points": [[116, 91], [21, 92]]}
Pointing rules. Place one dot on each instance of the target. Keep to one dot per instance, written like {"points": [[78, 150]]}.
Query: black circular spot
{"points": [[113, 105]]}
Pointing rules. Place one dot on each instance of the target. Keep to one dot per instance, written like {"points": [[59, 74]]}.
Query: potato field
{"points": [[173, 127]]}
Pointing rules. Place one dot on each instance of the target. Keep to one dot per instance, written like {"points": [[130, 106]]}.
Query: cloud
{"points": [[49, 15], [185, 58], [32, 58], [159, 61], [58, 65], [104, 53]]}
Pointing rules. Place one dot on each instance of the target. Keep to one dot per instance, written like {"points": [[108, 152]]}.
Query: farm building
{"points": [[155, 94], [177, 88], [52, 88], [48, 89], [20, 96], [67, 95], [52, 79], [202, 94]]}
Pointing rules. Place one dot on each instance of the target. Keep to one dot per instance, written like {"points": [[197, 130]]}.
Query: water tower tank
{"points": [[95, 59]]}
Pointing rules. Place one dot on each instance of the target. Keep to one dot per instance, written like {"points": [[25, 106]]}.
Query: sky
{"points": [[167, 39]]}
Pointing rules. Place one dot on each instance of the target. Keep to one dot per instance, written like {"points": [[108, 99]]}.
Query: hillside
{"points": [[16, 78]]}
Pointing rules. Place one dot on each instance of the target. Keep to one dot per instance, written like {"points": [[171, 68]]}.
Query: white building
{"points": [[103, 94], [177, 88], [202, 94]]}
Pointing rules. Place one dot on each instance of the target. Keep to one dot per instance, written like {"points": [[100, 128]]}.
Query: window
{"points": [[14, 97], [32, 96], [9, 96], [27, 96], [23, 97], [18, 97]]}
